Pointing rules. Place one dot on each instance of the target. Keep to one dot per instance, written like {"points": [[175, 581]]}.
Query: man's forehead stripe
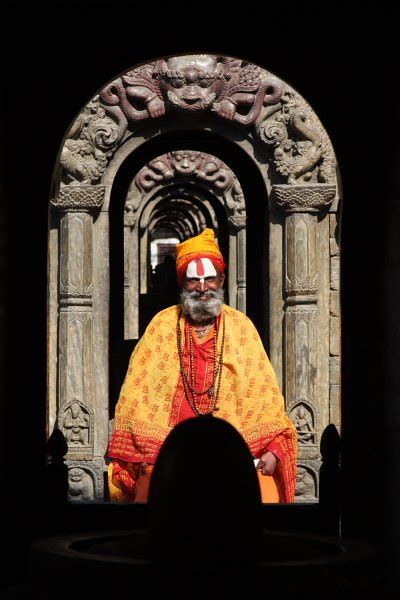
{"points": [[206, 265], [199, 267]]}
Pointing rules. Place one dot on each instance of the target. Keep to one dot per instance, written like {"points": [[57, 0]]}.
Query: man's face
{"points": [[202, 294], [203, 276]]}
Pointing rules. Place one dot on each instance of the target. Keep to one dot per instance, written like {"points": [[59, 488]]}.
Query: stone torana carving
{"points": [[231, 88], [190, 165], [193, 83]]}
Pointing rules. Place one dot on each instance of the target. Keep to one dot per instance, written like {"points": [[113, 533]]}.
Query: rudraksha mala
{"points": [[189, 386]]}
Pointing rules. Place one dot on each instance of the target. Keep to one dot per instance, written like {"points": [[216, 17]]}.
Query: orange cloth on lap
{"points": [[268, 487]]}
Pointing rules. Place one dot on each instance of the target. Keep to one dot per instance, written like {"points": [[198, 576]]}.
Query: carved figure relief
{"points": [[303, 419], [80, 485], [76, 425], [305, 486]]}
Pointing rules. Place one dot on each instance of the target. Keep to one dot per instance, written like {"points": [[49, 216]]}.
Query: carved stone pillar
{"points": [[131, 276], [75, 402], [237, 262], [241, 268], [301, 205]]}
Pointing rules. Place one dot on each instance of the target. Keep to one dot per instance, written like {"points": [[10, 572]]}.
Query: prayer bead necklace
{"points": [[212, 391]]}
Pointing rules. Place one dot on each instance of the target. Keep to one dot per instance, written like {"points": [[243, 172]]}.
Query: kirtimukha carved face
{"points": [[185, 162], [192, 82]]}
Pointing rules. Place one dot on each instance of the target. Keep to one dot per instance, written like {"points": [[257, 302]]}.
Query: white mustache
{"points": [[197, 294], [202, 310]]}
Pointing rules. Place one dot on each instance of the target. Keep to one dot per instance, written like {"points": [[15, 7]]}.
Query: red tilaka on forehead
{"points": [[199, 267]]}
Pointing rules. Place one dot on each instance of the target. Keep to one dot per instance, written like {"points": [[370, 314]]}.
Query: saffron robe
{"points": [[152, 401]]}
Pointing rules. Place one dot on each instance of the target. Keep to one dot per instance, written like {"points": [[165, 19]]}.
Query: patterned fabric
{"points": [[122, 479], [200, 246], [249, 397]]}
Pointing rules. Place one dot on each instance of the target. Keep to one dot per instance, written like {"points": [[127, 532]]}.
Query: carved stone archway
{"points": [[281, 134], [179, 170]]}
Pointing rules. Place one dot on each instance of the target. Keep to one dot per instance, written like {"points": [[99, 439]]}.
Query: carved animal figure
{"points": [[296, 159], [82, 161]]}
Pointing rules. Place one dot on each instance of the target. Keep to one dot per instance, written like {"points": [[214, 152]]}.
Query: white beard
{"points": [[201, 311]]}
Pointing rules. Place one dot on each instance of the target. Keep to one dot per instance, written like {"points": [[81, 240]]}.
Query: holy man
{"points": [[196, 358]]}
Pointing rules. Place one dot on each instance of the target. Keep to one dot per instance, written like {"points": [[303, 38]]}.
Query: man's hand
{"points": [[267, 463]]}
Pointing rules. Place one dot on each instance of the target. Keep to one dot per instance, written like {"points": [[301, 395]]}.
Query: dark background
{"points": [[344, 61]]}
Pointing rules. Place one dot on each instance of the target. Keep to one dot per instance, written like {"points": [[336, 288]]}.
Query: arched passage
{"points": [[298, 279], [205, 182]]}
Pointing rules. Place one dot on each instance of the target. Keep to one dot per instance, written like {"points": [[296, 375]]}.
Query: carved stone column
{"points": [[237, 256], [301, 205], [131, 276], [75, 402]]}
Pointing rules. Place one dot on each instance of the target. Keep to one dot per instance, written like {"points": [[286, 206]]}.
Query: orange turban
{"points": [[200, 246]]}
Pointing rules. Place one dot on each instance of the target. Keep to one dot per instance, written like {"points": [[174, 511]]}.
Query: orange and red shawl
{"points": [[249, 396]]}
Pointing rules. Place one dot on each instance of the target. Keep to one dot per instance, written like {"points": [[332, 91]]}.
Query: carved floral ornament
{"points": [[191, 165], [304, 198], [82, 197], [230, 88]]}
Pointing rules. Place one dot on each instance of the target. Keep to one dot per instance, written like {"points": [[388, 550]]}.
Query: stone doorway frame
{"points": [[151, 184], [280, 132]]}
